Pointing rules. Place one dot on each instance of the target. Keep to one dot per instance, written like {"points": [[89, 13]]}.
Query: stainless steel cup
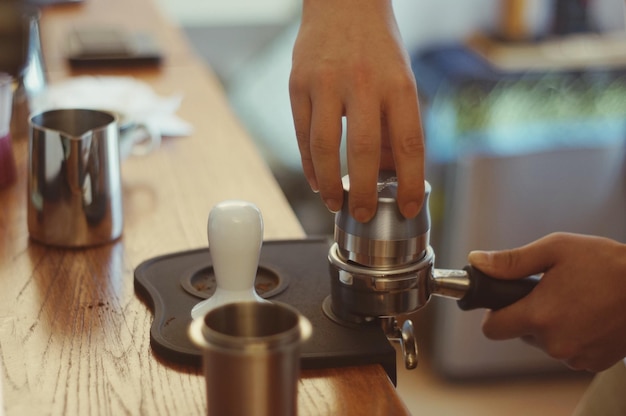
{"points": [[251, 357], [74, 180]]}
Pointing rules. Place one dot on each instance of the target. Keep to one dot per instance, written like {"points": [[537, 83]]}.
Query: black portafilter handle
{"points": [[488, 292]]}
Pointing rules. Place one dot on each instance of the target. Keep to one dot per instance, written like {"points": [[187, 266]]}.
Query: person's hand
{"points": [[577, 312], [348, 60]]}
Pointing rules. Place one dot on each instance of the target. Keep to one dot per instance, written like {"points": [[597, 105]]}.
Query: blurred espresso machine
{"points": [[497, 202]]}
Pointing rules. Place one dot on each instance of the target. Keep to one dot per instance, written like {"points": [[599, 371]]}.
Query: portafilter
{"points": [[384, 269]]}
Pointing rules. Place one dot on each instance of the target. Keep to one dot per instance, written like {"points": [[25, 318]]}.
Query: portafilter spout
{"points": [[384, 269]]}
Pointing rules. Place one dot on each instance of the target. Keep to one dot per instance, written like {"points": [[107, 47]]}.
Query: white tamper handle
{"points": [[235, 232]]}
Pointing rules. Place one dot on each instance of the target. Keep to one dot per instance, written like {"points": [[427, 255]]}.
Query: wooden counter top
{"points": [[74, 337]]}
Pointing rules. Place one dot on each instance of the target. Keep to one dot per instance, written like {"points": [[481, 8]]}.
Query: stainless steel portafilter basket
{"points": [[384, 268]]}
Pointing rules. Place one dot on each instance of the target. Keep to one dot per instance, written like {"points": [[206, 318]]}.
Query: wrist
{"points": [[354, 8]]}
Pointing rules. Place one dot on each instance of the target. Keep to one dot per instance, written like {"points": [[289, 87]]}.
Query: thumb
{"points": [[514, 263]]}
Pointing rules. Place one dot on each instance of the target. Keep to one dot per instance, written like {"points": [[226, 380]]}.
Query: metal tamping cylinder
{"points": [[389, 239]]}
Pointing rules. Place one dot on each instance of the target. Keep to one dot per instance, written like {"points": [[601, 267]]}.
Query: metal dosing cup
{"points": [[251, 357], [74, 179]]}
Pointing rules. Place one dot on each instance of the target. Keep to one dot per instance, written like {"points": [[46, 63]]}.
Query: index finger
{"points": [[301, 111], [325, 141], [404, 125], [508, 323], [363, 148]]}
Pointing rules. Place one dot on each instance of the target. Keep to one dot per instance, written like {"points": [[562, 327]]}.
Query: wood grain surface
{"points": [[74, 337]]}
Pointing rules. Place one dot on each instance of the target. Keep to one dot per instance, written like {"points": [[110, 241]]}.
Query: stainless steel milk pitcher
{"points": [[74, 180]]}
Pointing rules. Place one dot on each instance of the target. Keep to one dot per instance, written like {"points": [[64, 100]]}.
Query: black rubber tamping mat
{"points": [[295, 272]]}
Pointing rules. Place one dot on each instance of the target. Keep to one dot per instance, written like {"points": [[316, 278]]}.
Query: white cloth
{"points": [[1, 391], [133, 100], [605, 395]]}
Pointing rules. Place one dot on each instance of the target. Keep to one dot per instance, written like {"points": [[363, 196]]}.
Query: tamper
{"points": [[235, 232], [384, 269], [250, 347]]}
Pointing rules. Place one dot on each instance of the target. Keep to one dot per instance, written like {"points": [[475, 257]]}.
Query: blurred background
{"points": [[524, 110]]}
